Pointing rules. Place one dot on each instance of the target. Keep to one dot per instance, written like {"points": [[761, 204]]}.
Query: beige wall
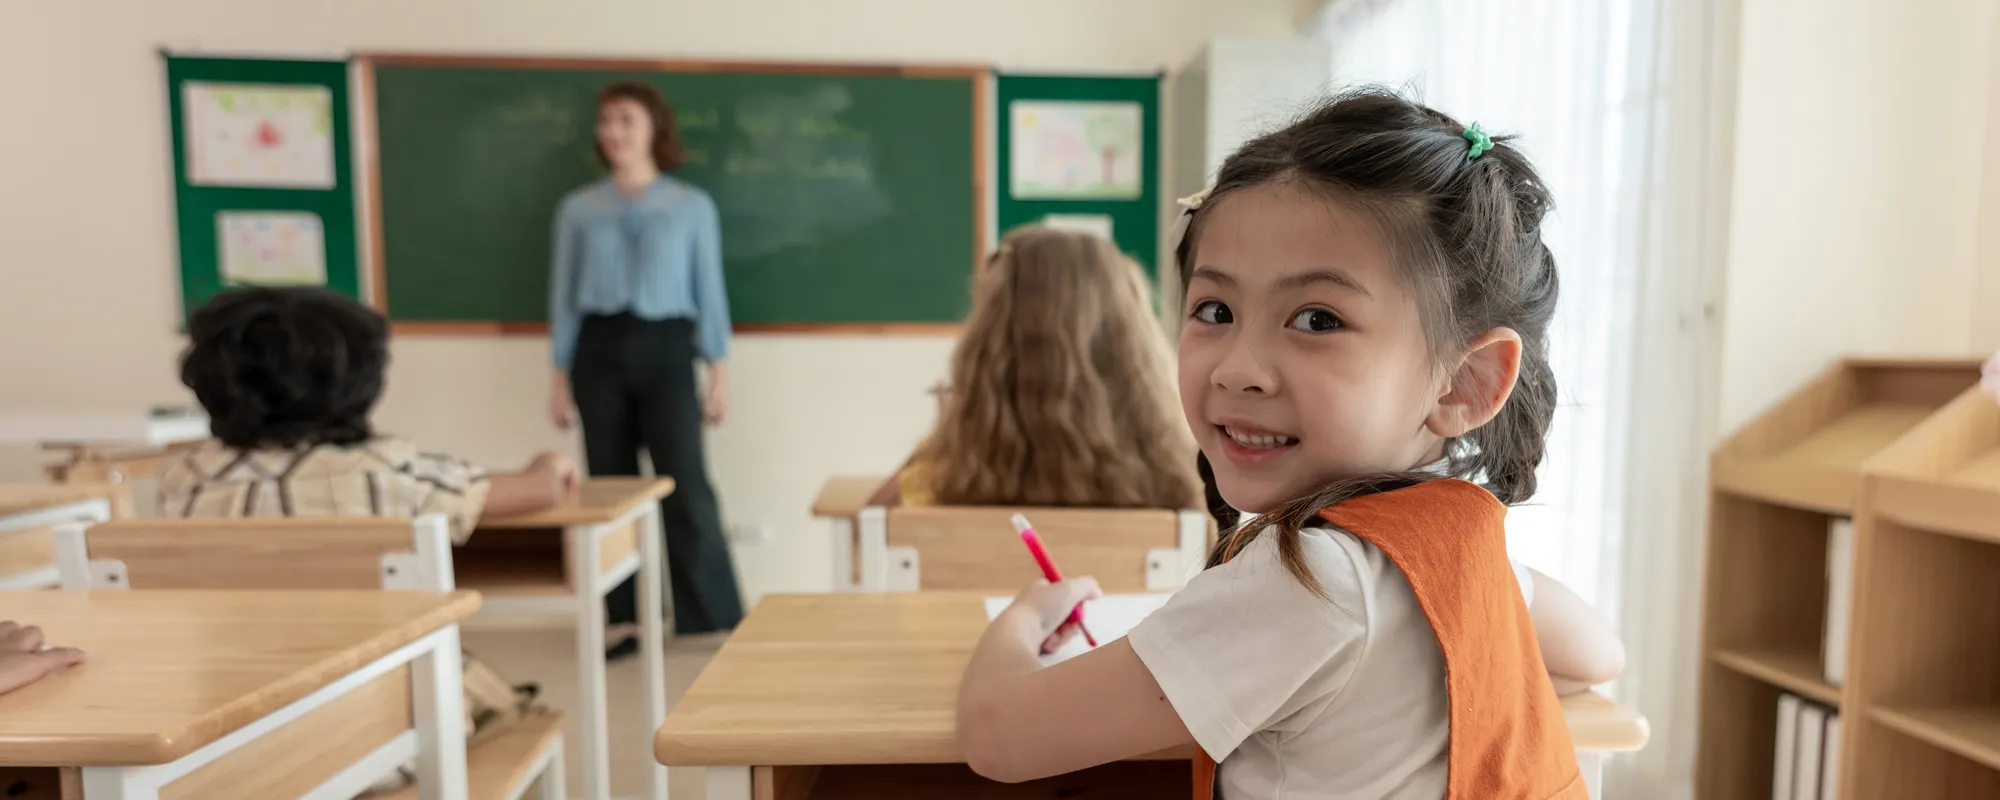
{"points": [[87, 286], [1986, 297], [1855, 219]]}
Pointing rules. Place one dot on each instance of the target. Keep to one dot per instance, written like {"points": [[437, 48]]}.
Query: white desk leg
{"points": [[728, 783], [582, 544], [555, 783], [843, 554], [1592, 766], [112, 783], [437, 687], [652, 642]]}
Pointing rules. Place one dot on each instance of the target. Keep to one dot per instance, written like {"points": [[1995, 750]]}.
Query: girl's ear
{"points": [[1479, 384]]}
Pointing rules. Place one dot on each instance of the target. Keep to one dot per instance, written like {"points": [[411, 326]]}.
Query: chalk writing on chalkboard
{"points": [[783, 141]]}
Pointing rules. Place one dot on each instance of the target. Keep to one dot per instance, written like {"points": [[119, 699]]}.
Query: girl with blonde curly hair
{"points": [[1062, 389]]}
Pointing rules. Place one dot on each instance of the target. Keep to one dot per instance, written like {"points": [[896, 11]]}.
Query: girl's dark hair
{"points": [[668, 153], [286, 367], [1467, 236]]}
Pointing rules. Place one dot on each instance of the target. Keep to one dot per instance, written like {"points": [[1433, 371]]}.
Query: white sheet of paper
{"points": [[1095, 224], [271, 248], [1071, 150], [1109, 618], [258, 135]]}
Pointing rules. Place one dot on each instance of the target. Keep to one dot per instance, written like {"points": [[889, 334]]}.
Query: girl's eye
{"points": [[1213, 313], [1317, 320]]}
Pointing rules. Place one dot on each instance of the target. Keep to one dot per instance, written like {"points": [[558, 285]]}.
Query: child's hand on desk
{"points": [[22, 659], [1044, 607], [559, 469]]}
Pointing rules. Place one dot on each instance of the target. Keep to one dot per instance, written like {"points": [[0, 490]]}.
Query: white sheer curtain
{"points": [[1616, 102]]}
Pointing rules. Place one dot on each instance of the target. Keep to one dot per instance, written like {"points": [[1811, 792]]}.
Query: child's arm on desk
{"points": [[1578, 645], [546, 481], [1018, 721]]}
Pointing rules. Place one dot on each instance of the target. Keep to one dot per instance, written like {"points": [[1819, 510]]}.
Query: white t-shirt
{"points": [[1297, 697]]}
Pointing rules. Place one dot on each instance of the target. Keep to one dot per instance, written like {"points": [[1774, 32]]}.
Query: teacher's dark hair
{"points": [[286, 367], [668, 153]]}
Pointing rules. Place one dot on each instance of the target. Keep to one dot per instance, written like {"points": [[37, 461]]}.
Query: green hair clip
{"points": [[1480, 141]]}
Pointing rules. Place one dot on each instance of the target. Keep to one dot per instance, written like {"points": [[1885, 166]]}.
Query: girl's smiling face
{"points": [[1303, 358]]}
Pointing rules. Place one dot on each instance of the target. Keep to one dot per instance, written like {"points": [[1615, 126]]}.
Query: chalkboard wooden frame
{"points": [[364, 101]]}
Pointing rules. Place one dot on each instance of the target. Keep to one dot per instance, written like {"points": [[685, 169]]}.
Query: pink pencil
{"points": [[1041, 554]]}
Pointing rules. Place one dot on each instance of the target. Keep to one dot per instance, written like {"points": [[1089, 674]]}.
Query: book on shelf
{"points": [[1811, 738], [1805, 764], [1839, 598], [1785, 765]]}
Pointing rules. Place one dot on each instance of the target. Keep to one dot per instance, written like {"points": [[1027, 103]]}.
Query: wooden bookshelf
{"points": [[1909, 449]]}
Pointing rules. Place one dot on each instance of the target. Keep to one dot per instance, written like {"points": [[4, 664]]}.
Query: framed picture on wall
{"points": [[1076, 150]]}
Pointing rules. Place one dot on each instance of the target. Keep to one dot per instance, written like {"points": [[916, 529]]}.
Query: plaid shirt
{"points": [[382, 477]]}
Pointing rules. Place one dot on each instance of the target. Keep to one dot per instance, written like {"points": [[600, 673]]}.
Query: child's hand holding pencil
{"points": [[1049, 597], [1051, 606]]}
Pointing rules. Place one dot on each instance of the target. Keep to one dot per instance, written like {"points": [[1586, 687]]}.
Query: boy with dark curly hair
{"points": [[288, 377]]}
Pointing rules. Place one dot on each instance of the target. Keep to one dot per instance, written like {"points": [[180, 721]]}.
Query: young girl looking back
{"points": [[1363, 364]]}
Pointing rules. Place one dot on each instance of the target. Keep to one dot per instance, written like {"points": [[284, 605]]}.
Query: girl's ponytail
{"points": [[1224, 514]]}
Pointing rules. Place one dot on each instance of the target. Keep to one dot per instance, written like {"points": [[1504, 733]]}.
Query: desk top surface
{"points": [[873, 679], [167, 672], [16, 498], [597, 501], [845, 495], [86, 427]]}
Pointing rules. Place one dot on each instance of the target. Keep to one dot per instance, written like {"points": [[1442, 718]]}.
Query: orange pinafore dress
{"points": [[1508, 739]]}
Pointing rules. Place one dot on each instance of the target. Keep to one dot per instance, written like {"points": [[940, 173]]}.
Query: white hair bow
{"points": [[1189, 205]]}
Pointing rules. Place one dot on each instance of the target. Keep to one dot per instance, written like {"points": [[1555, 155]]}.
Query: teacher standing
{"points": [[635, 299]]}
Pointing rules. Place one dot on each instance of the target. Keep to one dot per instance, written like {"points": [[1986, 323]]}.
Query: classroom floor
{"points": [[548, 657]]}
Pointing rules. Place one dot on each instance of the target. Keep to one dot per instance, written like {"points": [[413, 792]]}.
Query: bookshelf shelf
{"points": [[1808, 452], [1798, 672], [1947, 477], [1973, 733]]}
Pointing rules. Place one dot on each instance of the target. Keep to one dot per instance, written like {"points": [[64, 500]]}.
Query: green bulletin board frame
{"points": [[196, 207], [1135, 222]]}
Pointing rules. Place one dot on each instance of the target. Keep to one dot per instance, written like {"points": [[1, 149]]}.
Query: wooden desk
{"points": [[104, 446], [564, 560], [27, 554], [270, 694], [843, 686], [840, 501], [845, 495]]}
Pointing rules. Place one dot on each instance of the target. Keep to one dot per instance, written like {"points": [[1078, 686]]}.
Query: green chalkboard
{"points": [[844, 197]]}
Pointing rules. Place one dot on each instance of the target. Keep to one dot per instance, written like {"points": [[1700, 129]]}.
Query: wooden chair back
{"points": [[976, 548], [28, 523], [258, 553]]}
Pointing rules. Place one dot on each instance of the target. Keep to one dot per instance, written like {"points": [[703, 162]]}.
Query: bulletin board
{"points": [[1082, 152], [263, 179]]}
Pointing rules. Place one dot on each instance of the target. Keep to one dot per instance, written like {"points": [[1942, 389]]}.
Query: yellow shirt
{"points": [[914, 481]]}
